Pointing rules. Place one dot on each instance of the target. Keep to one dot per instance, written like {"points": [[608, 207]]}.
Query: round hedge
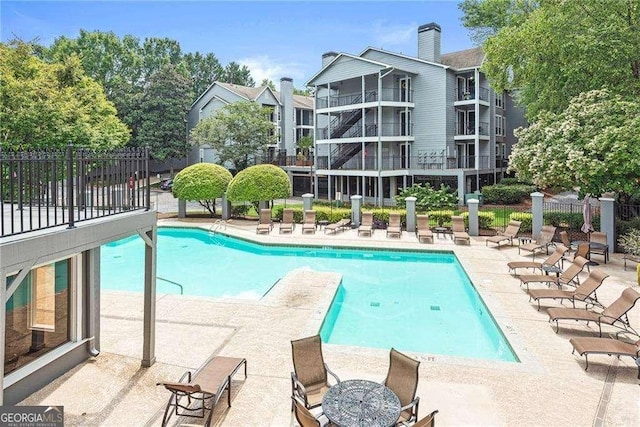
{"points": [[202, 181], [259, 183]]}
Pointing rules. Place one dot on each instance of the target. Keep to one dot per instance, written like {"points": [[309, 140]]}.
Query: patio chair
{"points": [[583, 251], [552, 260], [265, 224], [287, 223], [610, 346], [614, 315], [507, 235], [402, 379], [567, 277], [428, 421], [543, 241], [422, 228], [601, 246], [395, 224], [564, 238], [367, 223], [304, 417], [309, 380], [458, 229], [207, 384], [309, 223], [338, 226], [581, 293]]}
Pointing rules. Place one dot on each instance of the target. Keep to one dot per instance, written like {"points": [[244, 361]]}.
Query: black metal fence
{"points": [[569, 217], [47, 188], [627, 217]]}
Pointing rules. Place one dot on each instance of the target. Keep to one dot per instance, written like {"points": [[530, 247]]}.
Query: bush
{"points": [[513, 181], [203, 182], [298, 214], [630, 241], [525, 218], [485, 219], [440, 217], [427, 197], [570, 220], [259, 183], [506, 194], [239, 210]]}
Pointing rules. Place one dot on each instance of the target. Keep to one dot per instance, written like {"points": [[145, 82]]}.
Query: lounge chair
{"points": [[507, 235], [395, 224], [543, 241], [265, 224], [610, 346], [458, 229], [422, 228], [581, 293], [598, 244], [564, 238], [367, 223], [309, 223], [551, 261], [614, 315], [208, 383], [309, 377], [567, 277], [402, 379], [304, 417], [583, 251], [343, 224], [287, 223]]}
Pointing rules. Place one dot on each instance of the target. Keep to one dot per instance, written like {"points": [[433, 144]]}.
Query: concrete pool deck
{"points": [[548, 387]]}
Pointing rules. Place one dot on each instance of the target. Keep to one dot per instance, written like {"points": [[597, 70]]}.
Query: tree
{"points": [[204, 182], [302, 92], [269, 84], [203, 69], [237, 132], [484, 18], [593, 145], [259, 183], [564, 48], [239, 75], [163, 109], [427, 197], [50, 105], [304, 144]]}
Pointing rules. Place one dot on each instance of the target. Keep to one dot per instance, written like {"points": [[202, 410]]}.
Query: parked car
{"points": [[166, 184]]}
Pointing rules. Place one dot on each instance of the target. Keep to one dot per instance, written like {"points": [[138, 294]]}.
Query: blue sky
{"points": [[274, 39]]}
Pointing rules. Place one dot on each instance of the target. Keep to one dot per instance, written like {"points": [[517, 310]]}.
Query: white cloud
{"points": [[395, 35], [263, 67]]}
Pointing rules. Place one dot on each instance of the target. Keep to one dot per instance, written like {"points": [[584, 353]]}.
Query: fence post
{"points": [[307, 201], [473, 216], [411, 213], [537, 213], [70, 185], [147, 171], [226, 208], [356, 202], [607, 221]]}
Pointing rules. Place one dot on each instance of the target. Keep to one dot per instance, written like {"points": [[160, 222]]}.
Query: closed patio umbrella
{"points": [[586, 215]]}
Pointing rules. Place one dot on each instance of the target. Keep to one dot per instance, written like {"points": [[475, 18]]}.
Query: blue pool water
{"points": [[413, 301]]}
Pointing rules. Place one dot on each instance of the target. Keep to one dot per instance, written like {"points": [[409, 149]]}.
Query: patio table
{"points": [[361, 403]]}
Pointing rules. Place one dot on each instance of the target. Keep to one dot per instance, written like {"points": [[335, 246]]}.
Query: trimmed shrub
{"points": [[525, 218], [513, 181], [427, 197], [570, 220], [298, 214], [239, 210], [203, 182], [440, 217], [485, 219], [506, 194], [259, 183]]}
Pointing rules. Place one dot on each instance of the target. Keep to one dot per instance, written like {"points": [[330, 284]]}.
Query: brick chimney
{"points": [[328, 57]]}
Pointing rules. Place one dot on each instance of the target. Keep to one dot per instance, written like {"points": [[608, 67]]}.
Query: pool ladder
{"points": [[173, 283], [217, 225]]}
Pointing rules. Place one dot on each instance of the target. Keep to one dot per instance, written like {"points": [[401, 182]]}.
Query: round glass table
{"points": [[361, 403]]}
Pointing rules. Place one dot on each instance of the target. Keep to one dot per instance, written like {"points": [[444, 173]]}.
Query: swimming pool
{"points": [[414, 301]]}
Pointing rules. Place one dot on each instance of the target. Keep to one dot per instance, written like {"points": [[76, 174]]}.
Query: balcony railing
{"points": [[47, 188], [470, 95], [435, 162], [387, 94], [386, 129], [469, 128]]}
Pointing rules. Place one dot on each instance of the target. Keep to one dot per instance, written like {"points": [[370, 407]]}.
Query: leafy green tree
{"points": [[158, 52], [203, 69], [238, 132], [204, 182], [239, 75], [269, 83], [564, 48], [304, 144], [593, 145], [302, 92], [50, 105], [428, 198], [259, 183], [163, 109], [484, 18]]}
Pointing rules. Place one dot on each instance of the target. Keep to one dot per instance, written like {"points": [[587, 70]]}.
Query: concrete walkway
{"points": [[547, 387]]}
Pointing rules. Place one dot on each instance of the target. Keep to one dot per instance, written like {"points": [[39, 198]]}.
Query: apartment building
{"points": [[292, 117], [386, 120]]}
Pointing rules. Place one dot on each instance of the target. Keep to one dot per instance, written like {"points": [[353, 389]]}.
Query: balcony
{"points": [[394, 129], [387, 94], [469, 128], [44, 189], [470, 95], [421, 161]]}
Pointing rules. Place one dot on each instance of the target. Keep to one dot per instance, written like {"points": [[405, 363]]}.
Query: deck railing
{"points": [[52, 187]]}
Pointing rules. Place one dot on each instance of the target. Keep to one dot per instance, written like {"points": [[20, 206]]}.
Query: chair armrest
{"points": [[181, 387], [411, 404], [298, 389], [332, 373]]}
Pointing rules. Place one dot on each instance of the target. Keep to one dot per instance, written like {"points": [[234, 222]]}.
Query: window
{"points": [[38, 314], [500, 125], [500, 100]]}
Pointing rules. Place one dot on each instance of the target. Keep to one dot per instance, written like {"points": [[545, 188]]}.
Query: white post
{"points": [[226, 208], [607, 221], [473, 216], [356, 202], [411, 214], [537, 212], [149, 314], [182, 208]]}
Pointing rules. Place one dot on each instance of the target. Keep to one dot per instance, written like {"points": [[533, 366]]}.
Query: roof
{"points": [[301, 101], [468, 58], [413, 58], [252, 93]]}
